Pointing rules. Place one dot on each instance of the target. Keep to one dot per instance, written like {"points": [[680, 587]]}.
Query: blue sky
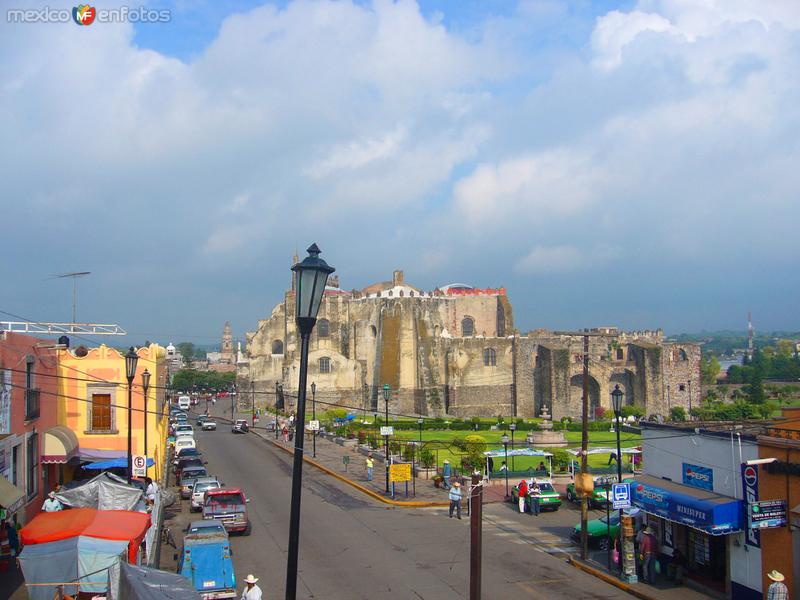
{"points": [[629, 164]]}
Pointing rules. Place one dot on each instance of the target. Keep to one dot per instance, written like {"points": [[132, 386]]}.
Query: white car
{"points": [[199, 491], [179, 429], [184, 441], [209, 425]]}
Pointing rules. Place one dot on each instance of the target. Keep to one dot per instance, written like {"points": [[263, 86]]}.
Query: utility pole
{"points": [[253, 401], [475, 536], [584, 449]]}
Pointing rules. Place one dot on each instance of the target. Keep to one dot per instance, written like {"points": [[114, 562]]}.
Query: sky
{"points": [[609, 163]]}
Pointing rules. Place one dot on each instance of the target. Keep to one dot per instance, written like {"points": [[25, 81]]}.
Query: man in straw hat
{"points": [[252, 592], [777, 589], [455, 499]]}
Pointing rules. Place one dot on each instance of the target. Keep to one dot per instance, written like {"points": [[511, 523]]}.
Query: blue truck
{"points": [[206, 560]]}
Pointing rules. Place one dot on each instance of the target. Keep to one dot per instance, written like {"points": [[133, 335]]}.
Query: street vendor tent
{"points": [[104, 492], [577, 451], [143, 583]]}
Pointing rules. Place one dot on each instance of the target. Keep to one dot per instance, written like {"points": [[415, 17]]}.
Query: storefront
{"points": [[693, 521]]}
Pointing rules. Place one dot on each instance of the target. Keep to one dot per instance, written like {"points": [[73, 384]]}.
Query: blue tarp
{"points": [[701, 509], [68, 560], [114, 463], [517, 452]]}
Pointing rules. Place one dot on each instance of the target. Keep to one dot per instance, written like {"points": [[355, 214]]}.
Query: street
{"points": [[352, 547]]}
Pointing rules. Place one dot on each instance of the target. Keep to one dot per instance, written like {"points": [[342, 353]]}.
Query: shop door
{"points": [[706, 556]]}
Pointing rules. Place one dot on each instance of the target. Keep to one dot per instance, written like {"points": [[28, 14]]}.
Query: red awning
{"points": [[104, 524]]}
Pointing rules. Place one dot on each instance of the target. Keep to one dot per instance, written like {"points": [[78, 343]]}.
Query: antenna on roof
{"points": [[74, 277]]}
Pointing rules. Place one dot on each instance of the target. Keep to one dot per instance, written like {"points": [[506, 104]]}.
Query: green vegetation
{"points": [[709, 369], [187, 380], [767, 363]]}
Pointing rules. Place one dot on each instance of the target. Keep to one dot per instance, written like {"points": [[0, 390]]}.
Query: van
{"points": [[184, 441], [184, 402]]}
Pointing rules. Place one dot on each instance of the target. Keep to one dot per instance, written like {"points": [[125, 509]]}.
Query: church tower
{"points": [[226, 350]]}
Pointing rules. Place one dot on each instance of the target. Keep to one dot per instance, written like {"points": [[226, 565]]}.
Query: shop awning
{"points": [[60, 444], [10, 495], [705, 510]]}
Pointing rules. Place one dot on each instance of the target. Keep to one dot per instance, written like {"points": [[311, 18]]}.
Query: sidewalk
{"points": [[663, 590]]}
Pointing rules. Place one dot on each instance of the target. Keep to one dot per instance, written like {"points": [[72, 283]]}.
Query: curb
{"points": [[625, 587], [359, 487]]}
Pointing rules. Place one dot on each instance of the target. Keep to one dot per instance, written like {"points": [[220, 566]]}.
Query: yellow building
{"points": [[93, 403]]}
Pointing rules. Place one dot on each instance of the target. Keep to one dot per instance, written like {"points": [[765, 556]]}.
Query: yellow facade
{"points": [[93, 403]]}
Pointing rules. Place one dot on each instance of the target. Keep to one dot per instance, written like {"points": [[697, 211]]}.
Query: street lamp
{"points": [[420, 422], [513, 428], [616, 402], [146, 388], [387, 393], [311, 276], [504, 439], [314, 414], [131, 359]]}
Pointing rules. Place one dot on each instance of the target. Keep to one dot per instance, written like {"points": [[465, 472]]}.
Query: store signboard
{"points": [[387, 430], [766, 514], [5, 401], [697, 476], [752, 536]]}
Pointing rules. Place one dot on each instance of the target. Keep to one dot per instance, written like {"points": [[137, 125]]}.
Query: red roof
{"points": [[104, 524]]}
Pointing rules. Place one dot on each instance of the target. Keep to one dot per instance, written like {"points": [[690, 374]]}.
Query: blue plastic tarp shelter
{"points": [[701, 509], [114, 463]]}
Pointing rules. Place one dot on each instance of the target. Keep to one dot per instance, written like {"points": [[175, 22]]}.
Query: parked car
{"points": [[599, 531], [601, 492], [188, 476], [201, 484], [228, 505], [240, 426], [549, 498], [206, 560], [187, 462], [209, 425], [186, 428], [185, 441], [200, 420], [186, 453]]}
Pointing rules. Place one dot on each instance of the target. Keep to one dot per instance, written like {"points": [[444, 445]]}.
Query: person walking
{"points": [[150, 492], [523, 495], [252, 591], [647, 554], [285, 433], [446, 474], [51, 504], [777, 590], [455, 499], [370, 466]]}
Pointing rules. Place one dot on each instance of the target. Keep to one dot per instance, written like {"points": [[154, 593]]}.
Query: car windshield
{"points": [[188, 452], [206, 485], [212, 528], [613, 521], [546, 487], [225, 499]]}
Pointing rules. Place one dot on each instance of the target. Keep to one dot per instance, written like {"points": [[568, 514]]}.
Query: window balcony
{"points": [[31, 404]]}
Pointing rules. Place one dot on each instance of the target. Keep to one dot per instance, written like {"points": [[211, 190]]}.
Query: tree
{"points": [[755, 392], [709, 369], [187, 351], [785, 348]]}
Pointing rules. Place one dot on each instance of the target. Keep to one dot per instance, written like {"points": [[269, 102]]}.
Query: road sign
{"points": [[387, 430], [139, 465], [767, 513], [400, 472], [621, 495], [313, 425]]}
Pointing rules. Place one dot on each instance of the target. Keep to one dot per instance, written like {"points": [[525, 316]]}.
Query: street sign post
{"points": [[387, 430], [139, 465], [621, 495], [401, 472], [313, 425]]}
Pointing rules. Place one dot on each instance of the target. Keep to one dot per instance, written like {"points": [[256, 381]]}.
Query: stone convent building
{"points": [[455, 351]]}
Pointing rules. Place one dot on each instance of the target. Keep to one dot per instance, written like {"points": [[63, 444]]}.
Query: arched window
{"points": [[323, 328], [467, 326], [277, 346], [682, 354], [324, 365], [489, 357], [620, 354]]}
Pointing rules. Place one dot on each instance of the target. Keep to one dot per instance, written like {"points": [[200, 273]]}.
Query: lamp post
{"points": [[310, 278], [513, 428], [420, 422], [146, 388], [504, 439], [277, 391], [314, 415], [387, 393], [616, 402], [131, 359], [690, 398]]}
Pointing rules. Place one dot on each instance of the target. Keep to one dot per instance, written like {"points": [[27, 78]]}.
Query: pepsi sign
{"points": [[750, 487], [697, 476]]}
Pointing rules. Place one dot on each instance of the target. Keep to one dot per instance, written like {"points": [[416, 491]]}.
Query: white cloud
{"points": [[565, 258], [616, 30]]}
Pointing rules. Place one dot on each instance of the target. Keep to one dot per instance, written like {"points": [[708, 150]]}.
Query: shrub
{"points": [[677, 413], [409, 452], [599, 412], [427, 458], [459, 444], [560, 458], [394, 447], [373, 442], [632, 411], [474, 445], [362, 436]]}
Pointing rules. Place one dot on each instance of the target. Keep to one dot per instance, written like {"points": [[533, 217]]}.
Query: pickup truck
{"points": [[229, 506], [206, 560]]}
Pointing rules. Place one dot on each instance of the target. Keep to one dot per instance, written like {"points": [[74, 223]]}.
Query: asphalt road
{"points": [[354, 547]]}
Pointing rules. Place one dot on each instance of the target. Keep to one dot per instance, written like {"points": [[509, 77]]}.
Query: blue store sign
{"points": [[697, 476], [707, 511]]}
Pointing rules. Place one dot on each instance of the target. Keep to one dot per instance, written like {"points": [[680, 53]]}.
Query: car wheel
{"points": [[570, 497], [604, 544]]}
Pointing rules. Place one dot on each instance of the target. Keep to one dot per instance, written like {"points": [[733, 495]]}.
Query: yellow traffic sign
{"points": [[400, 472]]}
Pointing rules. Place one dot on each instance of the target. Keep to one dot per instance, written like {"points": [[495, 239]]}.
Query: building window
{"points": [[324, 365], [682, 354], [620, 354], [32, 465], [101, 412], [277, 346], [501, 320], [467, 326], [682, 388], [489, 357], [323, 328]]}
